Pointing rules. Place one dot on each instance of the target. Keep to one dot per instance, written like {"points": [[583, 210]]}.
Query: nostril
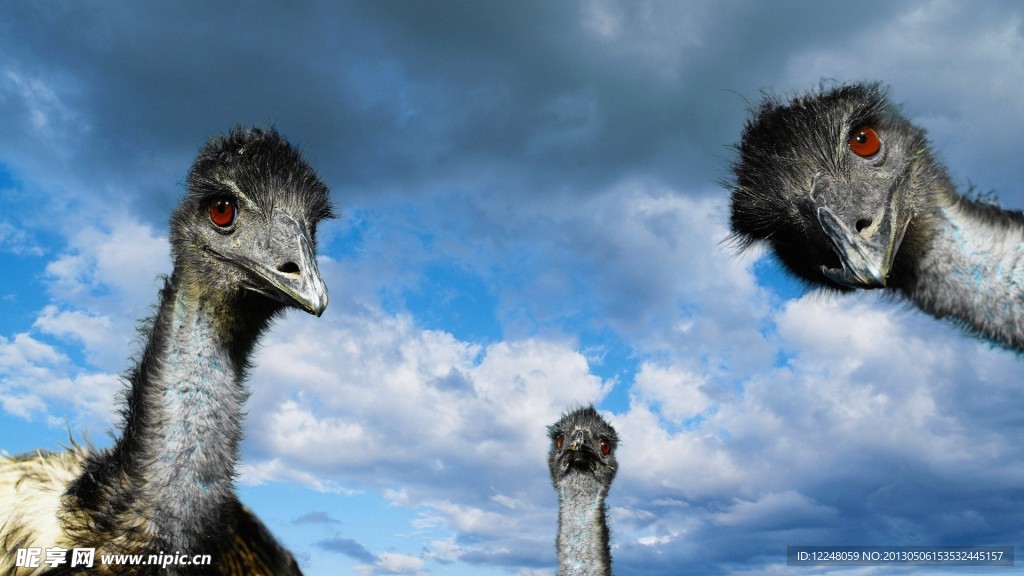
{"points": [[288, 268], [862, 224]]}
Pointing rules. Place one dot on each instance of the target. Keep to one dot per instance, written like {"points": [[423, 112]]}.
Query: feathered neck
{"points": [[170, 474], [582, 544], [971, 268]]}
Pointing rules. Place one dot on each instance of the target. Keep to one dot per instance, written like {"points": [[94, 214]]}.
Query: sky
{"points": [[534, 214]]}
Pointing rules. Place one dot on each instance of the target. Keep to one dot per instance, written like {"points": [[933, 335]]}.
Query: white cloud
{"points": [[376, 403], [275, 470], [22, 405], [94, 332], [17, 240], [100, 285], [444, 551], [775, 511], [23, 353], [676, 390], [34, 374], [323, 386], [684, 464], [111, 266], [654, 540], [393, 563], [472, 520], [635, 257]]}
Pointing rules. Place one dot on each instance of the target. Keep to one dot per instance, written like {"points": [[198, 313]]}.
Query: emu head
{"points": [[248, 222], [582, 444], [831, 181]]}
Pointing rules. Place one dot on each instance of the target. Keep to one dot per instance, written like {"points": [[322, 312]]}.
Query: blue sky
{"points": [[533, 218]]}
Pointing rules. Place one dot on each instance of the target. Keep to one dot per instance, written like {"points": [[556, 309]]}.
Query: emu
{"points": [[582, 464], [243, 242], [849, 195]]}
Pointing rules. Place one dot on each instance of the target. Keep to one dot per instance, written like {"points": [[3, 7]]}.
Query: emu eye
{"points": [[864, 142], [559, 441], [606, 447], [222, 212]]}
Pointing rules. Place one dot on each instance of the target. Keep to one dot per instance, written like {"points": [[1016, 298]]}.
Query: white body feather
{"points": [[31, 489]]}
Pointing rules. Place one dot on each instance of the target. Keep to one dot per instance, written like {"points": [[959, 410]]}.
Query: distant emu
{"points": [[848, 194], [243, 242], [582, 463]]}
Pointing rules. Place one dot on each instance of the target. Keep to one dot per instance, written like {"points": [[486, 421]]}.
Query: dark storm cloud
{"points": [[516, 99], [397, 95], [150, 82]]}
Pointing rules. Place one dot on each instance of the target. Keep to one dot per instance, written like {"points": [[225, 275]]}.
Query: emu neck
{"points": [[183, 422], [197, 398], [582, 528], [973, 271]]}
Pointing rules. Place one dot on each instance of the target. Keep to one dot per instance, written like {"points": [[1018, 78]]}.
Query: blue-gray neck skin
{"points": [[196, 396], [171, 472], [973, 271], [582, 544]]}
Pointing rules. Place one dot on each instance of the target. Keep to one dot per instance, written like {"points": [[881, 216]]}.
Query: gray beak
{"points": [[578, 440], [577, 453], [291, 274], [866, 251]]}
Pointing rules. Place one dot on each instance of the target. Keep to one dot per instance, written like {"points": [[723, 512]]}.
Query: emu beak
{"points": [[578, 441], [866, 254], [288, 271]]}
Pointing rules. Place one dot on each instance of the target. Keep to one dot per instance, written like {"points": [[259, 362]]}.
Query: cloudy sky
{"points": [[533, 218]]}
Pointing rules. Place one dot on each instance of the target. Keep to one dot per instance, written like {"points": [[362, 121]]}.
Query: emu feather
{"points": [[582, 464], [849, 195], [243, 242]]}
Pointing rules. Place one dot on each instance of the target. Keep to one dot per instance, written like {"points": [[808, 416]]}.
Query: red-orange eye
{"points": [[606, 447], [222, 212], [864, 142], [559, 441]]}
